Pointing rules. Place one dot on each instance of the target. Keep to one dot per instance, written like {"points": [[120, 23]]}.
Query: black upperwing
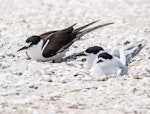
{"points": [[57, 41], [62, 39], [77, 33], [44, 36]]}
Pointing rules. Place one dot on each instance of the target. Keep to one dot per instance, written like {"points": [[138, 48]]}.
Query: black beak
{"points": [[82, 53], [23, 48]]}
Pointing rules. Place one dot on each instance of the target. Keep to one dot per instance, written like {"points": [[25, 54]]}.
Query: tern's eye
{"points": [[99, 61]]}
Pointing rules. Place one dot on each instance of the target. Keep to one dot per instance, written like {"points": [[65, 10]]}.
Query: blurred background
{"points": [[23, 18]]}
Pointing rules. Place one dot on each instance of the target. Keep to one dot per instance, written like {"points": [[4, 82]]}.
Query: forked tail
{"points": [[79, 32], [133, 50], [94, 28]]}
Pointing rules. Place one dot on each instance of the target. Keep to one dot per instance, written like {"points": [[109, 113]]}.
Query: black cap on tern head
{"points": [[105, 56], [33, 40], [94, 49]]}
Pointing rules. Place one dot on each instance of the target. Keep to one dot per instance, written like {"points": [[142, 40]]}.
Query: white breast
{"points": [[104, 68], [109, 67], [90, 61], [35, 53]]}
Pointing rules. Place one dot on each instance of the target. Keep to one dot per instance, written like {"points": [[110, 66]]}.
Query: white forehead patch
{"points": [[28, 44]]}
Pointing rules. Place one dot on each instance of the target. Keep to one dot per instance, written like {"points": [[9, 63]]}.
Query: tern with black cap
{"points": [[113, 62]]}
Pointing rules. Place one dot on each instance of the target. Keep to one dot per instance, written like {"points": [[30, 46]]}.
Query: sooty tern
{"points": [[53, 45]]}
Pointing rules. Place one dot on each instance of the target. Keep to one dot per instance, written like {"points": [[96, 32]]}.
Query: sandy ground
{"points": [[30, 87]]}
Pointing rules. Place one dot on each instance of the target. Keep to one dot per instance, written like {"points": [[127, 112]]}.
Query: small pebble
{"points": [[33, 87], [10, 55], [148, 70], [83, 60], [17, 93], [46, 78], [19, 73], [127, 42], [3, 56], [5, 65], [101, 78], [137, 77], [75, 75]]}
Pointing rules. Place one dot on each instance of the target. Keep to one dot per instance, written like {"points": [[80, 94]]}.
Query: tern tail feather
{"points": [[133, 50], [83, 27], [79, 33]]}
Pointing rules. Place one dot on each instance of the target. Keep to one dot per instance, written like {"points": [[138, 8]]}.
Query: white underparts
{"points": [[35, 52]]}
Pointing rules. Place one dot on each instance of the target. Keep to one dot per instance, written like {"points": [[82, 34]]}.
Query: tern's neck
{"points": [[90, 61], [35, 51]]}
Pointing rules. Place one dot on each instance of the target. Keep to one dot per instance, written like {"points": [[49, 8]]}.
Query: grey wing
{"points": [[133, 50], [123, 68], [113, 51]]}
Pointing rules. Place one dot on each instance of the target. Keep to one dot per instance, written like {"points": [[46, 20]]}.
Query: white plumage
{"points": [[111, 61]]}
